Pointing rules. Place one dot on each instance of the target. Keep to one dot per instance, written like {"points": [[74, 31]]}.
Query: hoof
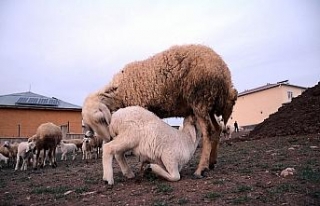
{"points": [[108, 186], [34, 168], [196, 176], [204, 172], [212, 165]]}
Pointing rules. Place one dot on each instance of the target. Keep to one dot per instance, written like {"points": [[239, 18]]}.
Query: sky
{"points": [[68, 49]]}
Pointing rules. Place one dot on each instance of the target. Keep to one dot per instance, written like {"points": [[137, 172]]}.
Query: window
{"points": [[289, 95]]}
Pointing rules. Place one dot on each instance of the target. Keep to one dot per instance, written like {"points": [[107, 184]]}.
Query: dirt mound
{"points": [[301, 116]]}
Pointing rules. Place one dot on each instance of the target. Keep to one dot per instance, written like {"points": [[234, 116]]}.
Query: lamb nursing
{"points": [[152, 140], [179, 82]]}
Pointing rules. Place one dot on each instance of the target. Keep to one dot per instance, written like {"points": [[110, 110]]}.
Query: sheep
{"points": [[13, 150], [77, 142], [68, 148], [4, 151], [164, 147], [86, 149], [25, 153], [47, 137], [181, 81], [96, 142], [227, 130], [4, 159]]}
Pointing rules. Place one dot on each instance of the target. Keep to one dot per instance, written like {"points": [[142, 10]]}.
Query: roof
{"points": [[269, 86], [32, 100]]}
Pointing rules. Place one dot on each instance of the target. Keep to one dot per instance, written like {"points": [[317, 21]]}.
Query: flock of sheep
{"points": [[42, 148], [189, 81]]}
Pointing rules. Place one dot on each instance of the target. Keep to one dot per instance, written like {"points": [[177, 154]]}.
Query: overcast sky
{"points": [[67, 49]]}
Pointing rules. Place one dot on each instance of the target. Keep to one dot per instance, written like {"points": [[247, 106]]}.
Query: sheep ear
{"points": [[109, 92], [234, 95]]}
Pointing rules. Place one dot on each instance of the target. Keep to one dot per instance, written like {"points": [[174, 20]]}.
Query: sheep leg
{"points": [[172, 174], [17, 163], [53, 152], [214, 143], [206, 128], [107, 157], [24, 164], [35, 163], [126, 171], [74, 154]]}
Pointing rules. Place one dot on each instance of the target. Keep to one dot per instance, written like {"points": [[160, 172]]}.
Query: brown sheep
{"points": [[182, 81], [47, 137]]}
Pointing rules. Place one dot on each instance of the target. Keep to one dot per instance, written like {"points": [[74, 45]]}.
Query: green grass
{"points": [[183, 201], [164, 188], [50, 190], [243, 188], [309, 174], [212, 195], [241, 200]]}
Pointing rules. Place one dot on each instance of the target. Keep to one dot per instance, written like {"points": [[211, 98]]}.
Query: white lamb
{"points": [[86, 149], [67, 148], [25, 153], [150, 138]]}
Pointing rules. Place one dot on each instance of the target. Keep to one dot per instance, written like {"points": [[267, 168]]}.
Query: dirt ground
{"points": [[247, 173]]}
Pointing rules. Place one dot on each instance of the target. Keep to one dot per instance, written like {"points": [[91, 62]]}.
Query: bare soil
{"points": [[247, 173]]}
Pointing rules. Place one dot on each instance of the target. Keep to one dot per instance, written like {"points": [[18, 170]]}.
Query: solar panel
{"points": [[33, 100], [37, 101], [43, 101], [22, 100]]}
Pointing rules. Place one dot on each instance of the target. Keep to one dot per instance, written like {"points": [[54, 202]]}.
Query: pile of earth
{"points": [[300, 117]]}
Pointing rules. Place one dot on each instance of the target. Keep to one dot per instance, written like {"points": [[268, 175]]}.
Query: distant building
{"points": [[255, 105], [22, 113]]}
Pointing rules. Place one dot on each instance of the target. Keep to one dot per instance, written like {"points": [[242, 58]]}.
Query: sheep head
{"points": [[31, 146], [228, 106], [96, 116]]}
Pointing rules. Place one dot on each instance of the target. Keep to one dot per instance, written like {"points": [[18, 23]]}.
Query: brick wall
{"points": [[24, 122]]}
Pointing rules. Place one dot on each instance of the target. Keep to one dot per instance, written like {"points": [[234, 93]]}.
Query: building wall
{"points": [[24, 122], [253, 108]]}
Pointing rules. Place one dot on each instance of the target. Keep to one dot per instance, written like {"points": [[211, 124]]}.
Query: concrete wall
{"points": [[253, 108]]}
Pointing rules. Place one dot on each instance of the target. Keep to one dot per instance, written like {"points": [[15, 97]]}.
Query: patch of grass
{"points": [[241, 200], [92, 181], [81, 190], [3, 184], [243, 188], [277, 167], [50, 190], [164, 188], [246, 170], [309, 174], [212, 195], [282, 188], [183, 201], [218, 182], [159, 203]]}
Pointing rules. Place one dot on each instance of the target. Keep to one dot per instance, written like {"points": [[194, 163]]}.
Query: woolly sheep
{"points": [[68, 148], [227, 130], [4, 159], [13, 150], [47, 137], [95, 142], [77, 142], [25, 153], [181, 81], [150, 138], [86, 149]]}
